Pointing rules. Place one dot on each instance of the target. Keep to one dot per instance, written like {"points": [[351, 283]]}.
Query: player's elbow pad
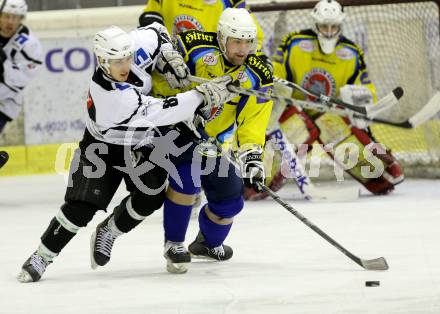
{"points": [[147, 18]]}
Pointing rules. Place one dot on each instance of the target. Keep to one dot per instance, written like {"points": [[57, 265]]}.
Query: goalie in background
{"points": [[324, 61], [20, 57]]}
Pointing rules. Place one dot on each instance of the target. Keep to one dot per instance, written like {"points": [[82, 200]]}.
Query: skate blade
{"points": [[203, 258], [24, 277], [177, 268]]}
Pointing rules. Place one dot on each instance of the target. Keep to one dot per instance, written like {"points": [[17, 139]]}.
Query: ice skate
{"points": [[33, 268], [199, 250], [177, 257], [101, 243]]}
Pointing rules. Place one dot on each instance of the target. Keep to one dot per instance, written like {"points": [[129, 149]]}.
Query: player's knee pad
{"points": [[186, 184], [75, 214], [185, 191], [227, 208], [143, 204], [95, 191]]}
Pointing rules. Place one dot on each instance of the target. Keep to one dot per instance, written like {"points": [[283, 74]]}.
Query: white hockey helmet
{"points": [[236, 23], [328, 12], [16, 7], [112, 43]]}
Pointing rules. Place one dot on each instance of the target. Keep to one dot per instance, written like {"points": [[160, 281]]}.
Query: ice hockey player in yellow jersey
{"points": [[203, 15], [324, 61], [209, 55]]}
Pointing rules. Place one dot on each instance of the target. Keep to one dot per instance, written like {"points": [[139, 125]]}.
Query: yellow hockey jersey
{"points": [[181, 15], [299, 59], [245, 117]]}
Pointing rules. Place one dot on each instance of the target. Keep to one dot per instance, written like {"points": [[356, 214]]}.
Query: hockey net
{"points": [[401, 42]]}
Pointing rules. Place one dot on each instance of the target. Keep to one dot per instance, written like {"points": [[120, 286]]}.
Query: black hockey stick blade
{"points": [[4, 156], [374, 264]]}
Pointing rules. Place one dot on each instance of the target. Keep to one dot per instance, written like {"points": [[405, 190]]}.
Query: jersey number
{"points": [[170, 102]]}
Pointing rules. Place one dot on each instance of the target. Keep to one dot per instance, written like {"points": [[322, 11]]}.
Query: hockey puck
{"points": [[372, 283], [3, 158]]}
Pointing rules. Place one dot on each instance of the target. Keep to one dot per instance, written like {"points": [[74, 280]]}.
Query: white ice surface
{"points": [[279, 264]]}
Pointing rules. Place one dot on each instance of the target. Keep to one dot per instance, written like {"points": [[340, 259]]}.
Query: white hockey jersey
{"points": [[24, 57], [121, 112]]}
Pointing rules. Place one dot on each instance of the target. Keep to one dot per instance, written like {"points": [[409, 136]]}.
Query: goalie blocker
{"points": [[326, 129]]}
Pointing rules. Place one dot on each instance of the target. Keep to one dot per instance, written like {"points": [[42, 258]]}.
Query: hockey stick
{"points": [[303, 181], [371, 264], [2, 6], [427, 112], [383, 104], [325, 103]]}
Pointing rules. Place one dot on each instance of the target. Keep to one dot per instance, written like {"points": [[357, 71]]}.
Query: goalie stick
{"points": [[303, 181], [427, 112], [383, 104], [325, 104], [370, 264]]}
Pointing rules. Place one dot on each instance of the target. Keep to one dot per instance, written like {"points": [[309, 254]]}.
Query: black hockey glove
{"points": [[252, 168]]}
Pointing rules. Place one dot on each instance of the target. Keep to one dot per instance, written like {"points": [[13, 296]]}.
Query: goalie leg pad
{"points": [[298, 127], [340, 133]]}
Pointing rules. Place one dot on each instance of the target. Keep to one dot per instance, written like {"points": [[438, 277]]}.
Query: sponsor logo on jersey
{"points": [[319, 81], [242, 76], [258, 64], [210, 59], [345, 54], [142, 59], [21, 39], [191, 36], [185, 22], [306, 45]]}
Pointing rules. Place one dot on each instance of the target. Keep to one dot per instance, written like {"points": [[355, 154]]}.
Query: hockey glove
{"points": [[359, 96], [215, 94], [252, 168], [173, 68]]}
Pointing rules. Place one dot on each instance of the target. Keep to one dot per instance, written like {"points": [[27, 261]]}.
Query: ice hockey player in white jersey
{"points": [[20, 58], [120, 117]]}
